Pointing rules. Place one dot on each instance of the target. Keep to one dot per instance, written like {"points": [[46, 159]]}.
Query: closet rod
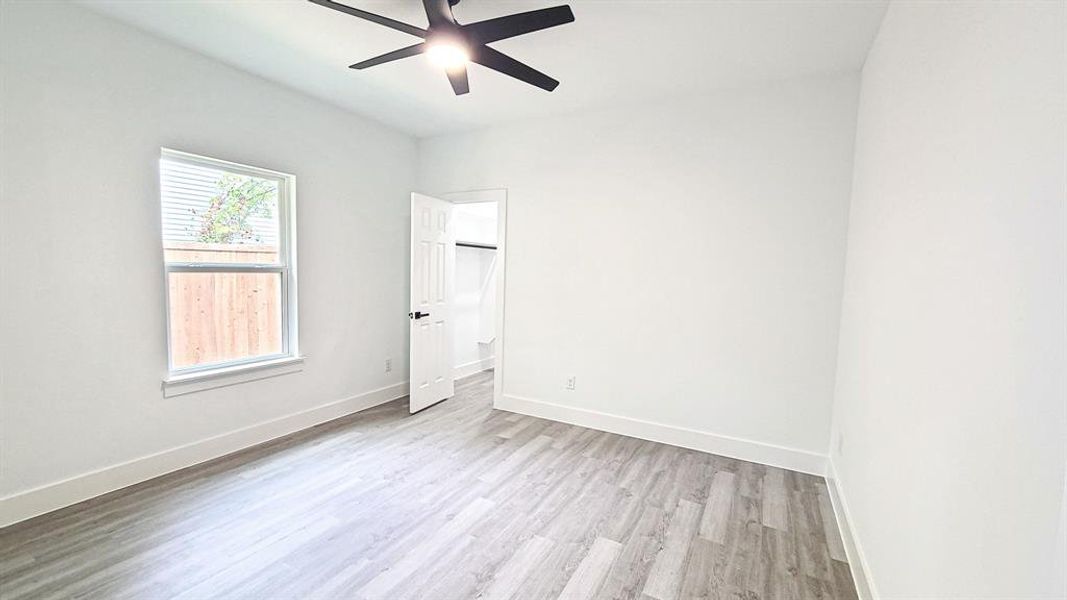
{"points": [[473, 245]]}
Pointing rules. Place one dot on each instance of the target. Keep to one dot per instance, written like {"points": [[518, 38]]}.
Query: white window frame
{"points": [[286, 267]]}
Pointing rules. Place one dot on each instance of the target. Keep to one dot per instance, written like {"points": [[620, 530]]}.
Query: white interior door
{"points": [[433, 260]]}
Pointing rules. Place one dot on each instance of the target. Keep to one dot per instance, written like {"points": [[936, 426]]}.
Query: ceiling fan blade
{"points": [[498, 61], [362, 14], [438, 12], [458, 79], [390, 56], [509, 26]]}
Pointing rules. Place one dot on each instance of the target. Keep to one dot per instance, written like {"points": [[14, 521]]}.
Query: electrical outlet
{"points": [[840, 444], [388, 365], [571, 381]]}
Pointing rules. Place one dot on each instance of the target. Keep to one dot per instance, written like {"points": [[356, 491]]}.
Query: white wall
{"points": [[473, 310], [87, 104], [951, 384], [683, 260], [475, 222]]}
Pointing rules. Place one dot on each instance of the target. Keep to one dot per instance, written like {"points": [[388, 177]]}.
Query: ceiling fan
{"points": [[453, 45]]}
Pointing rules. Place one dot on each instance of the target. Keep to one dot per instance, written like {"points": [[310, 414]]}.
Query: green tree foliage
{"points": [[226, 219]]}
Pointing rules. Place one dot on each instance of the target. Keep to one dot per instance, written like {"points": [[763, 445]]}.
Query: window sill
{"points": [[187, 383]]}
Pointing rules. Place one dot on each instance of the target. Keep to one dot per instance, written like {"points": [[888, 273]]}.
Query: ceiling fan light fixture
{"points": [[450, 54], [452, 45]]}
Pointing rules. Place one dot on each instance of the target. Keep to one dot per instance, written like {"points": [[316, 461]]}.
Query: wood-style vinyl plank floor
{"points": [[459, 501]]}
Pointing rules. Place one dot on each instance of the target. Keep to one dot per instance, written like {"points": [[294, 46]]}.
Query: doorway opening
{"points": [[457, 292]]}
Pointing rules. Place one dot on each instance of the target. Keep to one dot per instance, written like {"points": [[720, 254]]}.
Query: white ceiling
{"points": [[616, 52]]}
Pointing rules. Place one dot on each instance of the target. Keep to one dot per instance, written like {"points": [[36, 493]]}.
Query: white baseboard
{"points": [[30, 503], [857, 560], [758, 452], [473, 367]]}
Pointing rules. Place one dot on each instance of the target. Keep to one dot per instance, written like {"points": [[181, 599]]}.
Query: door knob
{"points": [[417, 315]]}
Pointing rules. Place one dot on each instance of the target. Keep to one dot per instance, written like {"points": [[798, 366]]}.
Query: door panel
{"points": [[433, 259]]}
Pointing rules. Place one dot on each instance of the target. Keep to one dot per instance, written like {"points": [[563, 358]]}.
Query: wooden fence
{"points": [[216, 317]]}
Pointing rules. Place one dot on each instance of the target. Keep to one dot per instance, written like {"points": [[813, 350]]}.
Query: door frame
{"points": [[500, 196]]}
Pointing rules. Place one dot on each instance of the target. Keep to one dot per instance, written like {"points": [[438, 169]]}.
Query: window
{"points": [[228, 251]]}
